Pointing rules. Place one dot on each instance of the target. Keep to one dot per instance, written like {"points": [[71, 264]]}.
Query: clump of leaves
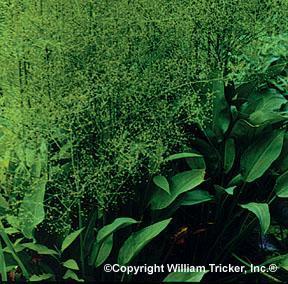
{"points": [[104, 85], [244, 157]]}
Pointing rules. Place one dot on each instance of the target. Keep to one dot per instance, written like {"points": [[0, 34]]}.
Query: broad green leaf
{"points": [[282, 162], [235, 181], [221, 109], [104, 250], [13, 221], [71, 264], [3, 203], [31, 211], [89, 236], [40, 249], [259, 117], [3, 269], [185, 277], [260, 155], [11, 231], [281, 186], [243, 131], [229, 190], [138, 240], [72, 275], [162, 182], [229, 155], [70, 239], [245, 90], [181, 183], [195, 197], [212, 155], [116, 225], [265, 107], [261, 210], [196, 163], [17, 246], [182, 156], [42, 277], [9, 244], [187, 180]]}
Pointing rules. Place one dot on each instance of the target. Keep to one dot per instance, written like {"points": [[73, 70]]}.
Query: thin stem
{"points": [[248, 265], [80, 223], [13, 252]]}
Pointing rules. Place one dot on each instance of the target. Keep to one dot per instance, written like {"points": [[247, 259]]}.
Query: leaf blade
{"points": [[261, 210], [116, 225], [162, 183], [281, 186], [185, 277], [259, 156], [138, 240], [70, 239], [182, 156], [71, 264], [229, 155], [181, 183]]}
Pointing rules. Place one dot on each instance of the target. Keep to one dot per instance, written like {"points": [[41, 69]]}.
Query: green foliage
{"points": [[31, 212], [103, 244], [72, 275], [70, 239], [103, 250], [71, 264], [195, 197], [93, 98], [229, 155], [237, 173], [180, 184], [113, 227], [42, 277], [261, 210], [138, 240], [104, 85], [184, 277], [162, 183], [260, 155], [2, 265], [281, 188]]}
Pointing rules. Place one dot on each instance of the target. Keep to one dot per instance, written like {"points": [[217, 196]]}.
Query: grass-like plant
{"points": [[93, 96]]}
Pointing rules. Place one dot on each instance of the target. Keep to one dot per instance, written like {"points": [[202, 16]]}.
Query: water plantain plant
{"points": [[243, 157], [105, 84], [234, 172], [210, 201], [94, 96]]}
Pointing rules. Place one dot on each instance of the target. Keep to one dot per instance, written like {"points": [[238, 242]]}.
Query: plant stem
{"points": [[80, 223], [263, 273], [14, 254]]}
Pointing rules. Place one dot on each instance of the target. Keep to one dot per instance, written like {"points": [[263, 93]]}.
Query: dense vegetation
{"points": [[150, 115]]}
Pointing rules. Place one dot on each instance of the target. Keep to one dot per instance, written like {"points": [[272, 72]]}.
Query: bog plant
{"points": [[235, 169], [104, 85], [95, 96]]}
